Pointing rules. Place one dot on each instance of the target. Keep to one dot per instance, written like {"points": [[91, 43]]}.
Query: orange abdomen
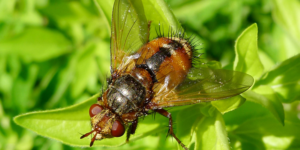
{"points": [[167, 60]]}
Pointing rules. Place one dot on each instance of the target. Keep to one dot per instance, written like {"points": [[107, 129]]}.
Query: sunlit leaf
{"points": [[61, 40], [202, 127], [284, 79], [211, 133], [244, 113], [67, 12], [267, 62], [68, 124], [229, 104], [23, 86], [246, 53], [63, 124], [105, 8], [251, 126], [287, 14], [37, 44], [186, 119], [191, 11], [84, 70], [160, 15], [64, 80], [265, 96], [265, 132]]}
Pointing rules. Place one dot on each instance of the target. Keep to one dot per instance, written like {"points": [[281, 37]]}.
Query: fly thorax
{"points": [[126, 95]]}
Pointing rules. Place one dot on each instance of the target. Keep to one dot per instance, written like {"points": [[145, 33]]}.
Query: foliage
{"points": [[54, 54]]}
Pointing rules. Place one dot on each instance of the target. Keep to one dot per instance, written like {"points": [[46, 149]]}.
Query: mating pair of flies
{"points": [[151, 75]]}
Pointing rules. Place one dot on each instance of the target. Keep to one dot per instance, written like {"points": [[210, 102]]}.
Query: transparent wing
{"points": [[129, 30], [202, 85]]}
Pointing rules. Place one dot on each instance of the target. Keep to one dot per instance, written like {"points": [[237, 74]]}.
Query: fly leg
{"points": [[171, 132], [131, 129]]}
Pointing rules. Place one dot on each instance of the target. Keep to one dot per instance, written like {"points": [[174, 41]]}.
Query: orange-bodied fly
{"points": [[151, 75]]}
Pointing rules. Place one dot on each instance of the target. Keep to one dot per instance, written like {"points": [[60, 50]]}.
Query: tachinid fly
{"points": [[151, 75]]}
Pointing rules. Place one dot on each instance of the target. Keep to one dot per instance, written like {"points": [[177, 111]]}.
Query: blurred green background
{"points": [[55, 53]]}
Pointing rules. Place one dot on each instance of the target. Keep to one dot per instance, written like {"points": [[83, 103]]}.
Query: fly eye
{"points": [[95, 109], [117, 129]]}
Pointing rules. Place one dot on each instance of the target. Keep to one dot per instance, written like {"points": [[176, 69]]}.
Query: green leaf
{"points": [[105, 8], [229, 104], [264, 132], [287, 15], [253, 127], [185, 122], [1, 109], [64, 80], [87, 63], [65, 125], [284, 79], [23, 86], [267, 62], [246, 59], [202, 127], [68, 124], [160, 15], [190, 12], [211, 133], [247, 111], [266, 97], [37, 44], [284, 47], [67, 12]]}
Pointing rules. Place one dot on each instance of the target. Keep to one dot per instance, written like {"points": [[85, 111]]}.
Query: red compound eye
{"points": [[95, 109], [117, 129]]}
